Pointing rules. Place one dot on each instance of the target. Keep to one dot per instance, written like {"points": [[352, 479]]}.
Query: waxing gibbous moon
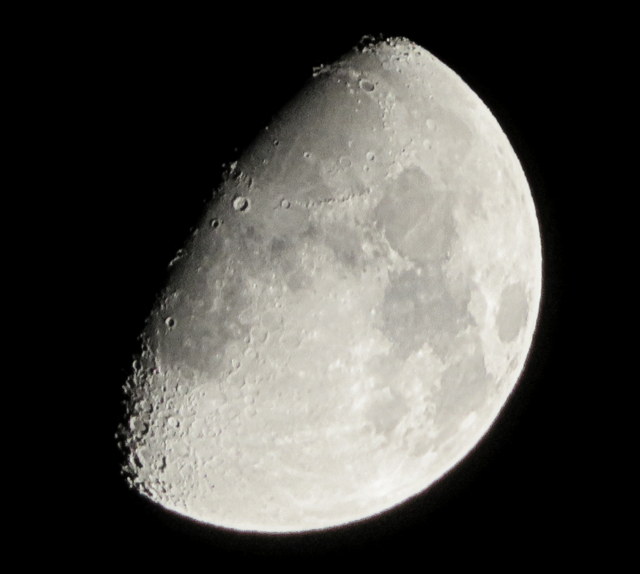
{"points": [[352, 311]]}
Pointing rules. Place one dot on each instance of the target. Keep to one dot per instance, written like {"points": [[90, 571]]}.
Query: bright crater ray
{"points": [[353, 311]]}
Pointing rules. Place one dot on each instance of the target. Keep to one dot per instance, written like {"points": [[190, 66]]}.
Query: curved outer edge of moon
{"points": [[353, 322]]}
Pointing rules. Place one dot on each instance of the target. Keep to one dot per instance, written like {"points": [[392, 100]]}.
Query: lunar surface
{"points": [[352, 311]]}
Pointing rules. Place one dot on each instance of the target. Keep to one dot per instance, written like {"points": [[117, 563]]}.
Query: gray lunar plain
{"points": [[352, 312]]}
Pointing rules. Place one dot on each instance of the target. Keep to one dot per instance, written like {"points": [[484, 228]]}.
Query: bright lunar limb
{"points": [[352, 312]]}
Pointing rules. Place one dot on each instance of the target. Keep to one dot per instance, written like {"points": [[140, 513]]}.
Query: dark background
{"points": [[161, 103]]}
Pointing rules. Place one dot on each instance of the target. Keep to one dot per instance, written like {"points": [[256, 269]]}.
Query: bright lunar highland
{"points": [[351, 312]]}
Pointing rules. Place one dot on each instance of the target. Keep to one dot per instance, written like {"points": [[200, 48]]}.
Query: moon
{"points": [[351, 312]]}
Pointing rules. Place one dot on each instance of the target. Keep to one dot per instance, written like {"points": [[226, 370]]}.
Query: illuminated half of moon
{"points": [[352, 312]]}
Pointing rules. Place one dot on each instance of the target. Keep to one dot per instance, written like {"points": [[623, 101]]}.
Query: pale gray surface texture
{"points": [[353, 311]]}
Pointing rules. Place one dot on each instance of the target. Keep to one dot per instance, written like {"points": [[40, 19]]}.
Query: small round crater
{"points": [[251, 353], [276, 142], [306, 155], [241, 203], [215, 223], [259, 334], [371, 156], [344, 162], [170, 322], [367, 86], [285, 204]]}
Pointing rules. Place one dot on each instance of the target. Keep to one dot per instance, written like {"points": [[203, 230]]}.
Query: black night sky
{"points": [[167, 100]]}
